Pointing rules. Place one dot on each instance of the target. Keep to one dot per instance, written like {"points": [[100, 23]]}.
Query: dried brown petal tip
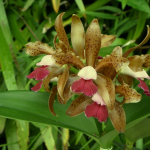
{"points": [[38, 48]]}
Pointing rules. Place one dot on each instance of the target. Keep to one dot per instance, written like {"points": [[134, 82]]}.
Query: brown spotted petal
{"points": [[136, 63], [118, 117], [59, 58], [67, 90], [107, 90], [77, 36], [92, 43], [130, 95], [52, 99], [146, 58], [74, 60], [78, 105], [106, 40], [61, 46], [109, 72], [125, 79], [142, 43], [38, 48], [62, 79], [53, 72], [115, 59], [60, 30]]}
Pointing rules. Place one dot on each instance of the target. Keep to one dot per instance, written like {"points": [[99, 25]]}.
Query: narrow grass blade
{"points": [[11, 135], [2, 124]]}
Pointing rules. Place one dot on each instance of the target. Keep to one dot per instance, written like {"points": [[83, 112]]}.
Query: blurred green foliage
{"points": [[23, 21]]}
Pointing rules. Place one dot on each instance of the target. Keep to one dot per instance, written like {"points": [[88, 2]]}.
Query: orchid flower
{"points": [[94, 82]]}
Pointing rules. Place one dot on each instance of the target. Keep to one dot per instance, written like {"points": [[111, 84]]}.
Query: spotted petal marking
{"points": [[130, 95], [38, 48], [115, 59], [78, 105], [52, 99], [125, 79], [136, 63], [106, 40], [106, 89], [109, 72], [62, 79], [59, 58], [61, 46], [146, 58], [92, 43], [118, 117], [60, 30], [72, 59]]}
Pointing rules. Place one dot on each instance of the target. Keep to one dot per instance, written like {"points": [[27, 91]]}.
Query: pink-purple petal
{"points": [[89, 88], [91, 110], [41, 74], [37, 87], [33, 73], [102, 114], [144, 86], [97, 111], [78, 86], [84, 86]]}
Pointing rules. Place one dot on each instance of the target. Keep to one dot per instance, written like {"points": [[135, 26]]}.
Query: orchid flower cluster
{"points": [[95, 82]]}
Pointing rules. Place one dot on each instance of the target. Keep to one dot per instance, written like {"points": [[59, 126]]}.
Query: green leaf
{"points": [[27, 5], [7, 66], [111, 8], [142, 128], [96, 5], [124, 3], [5, 55], [80, 5], [11, 135], [14, 27], [140, 25], [23, 134], [2, 124], [125, 28], [48, 137], [100, 15], [31, 106], [141, 5]]}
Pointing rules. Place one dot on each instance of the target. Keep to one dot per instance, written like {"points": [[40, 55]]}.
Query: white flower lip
{"points": [[47, 61], [98, 99], [88, 73], [140, 74]]}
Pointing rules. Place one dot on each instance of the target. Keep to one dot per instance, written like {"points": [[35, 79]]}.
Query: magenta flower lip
{"points": [[39, 73], [84, 86], [97, 111]]}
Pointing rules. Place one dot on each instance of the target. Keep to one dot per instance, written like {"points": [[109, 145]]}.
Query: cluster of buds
{"points": [[97, 77]]}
